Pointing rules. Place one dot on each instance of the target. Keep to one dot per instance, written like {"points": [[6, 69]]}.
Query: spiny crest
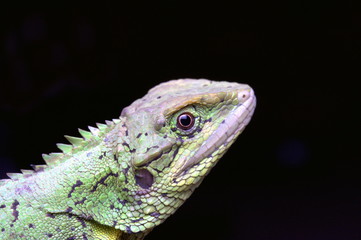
{"points": [[26, 171], [38, 168], [14, 176], [85, 134], [101, 126], [54, 159], [65, 148], [74, 140]]}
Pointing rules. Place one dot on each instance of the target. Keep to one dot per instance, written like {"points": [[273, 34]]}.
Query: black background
{"points": [[293, 174]]}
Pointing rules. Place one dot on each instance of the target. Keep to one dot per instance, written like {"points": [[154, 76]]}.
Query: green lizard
{"points": [[125, 177]]}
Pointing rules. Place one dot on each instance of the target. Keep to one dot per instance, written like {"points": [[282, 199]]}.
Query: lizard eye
{"points": [[185, 121]]}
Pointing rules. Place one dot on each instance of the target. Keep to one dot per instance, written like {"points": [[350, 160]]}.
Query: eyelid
{"points": [[183, 104]]}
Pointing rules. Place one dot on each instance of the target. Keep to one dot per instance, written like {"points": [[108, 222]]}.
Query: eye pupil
{"points": [[185, 121]]}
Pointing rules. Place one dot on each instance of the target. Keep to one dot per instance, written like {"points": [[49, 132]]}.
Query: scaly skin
{"points": [[127, 176]]}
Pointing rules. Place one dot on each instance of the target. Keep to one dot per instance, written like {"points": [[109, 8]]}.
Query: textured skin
{"points": [[127, 176]]}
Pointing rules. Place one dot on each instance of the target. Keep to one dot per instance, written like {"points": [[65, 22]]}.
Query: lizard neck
{"points": [[91, 183]]}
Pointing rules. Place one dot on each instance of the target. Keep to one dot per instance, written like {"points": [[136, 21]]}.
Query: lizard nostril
{"points": [[143, 178], [244, 95]]}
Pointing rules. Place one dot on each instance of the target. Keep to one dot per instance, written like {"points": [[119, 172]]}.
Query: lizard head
{"points": [[177, 133]]}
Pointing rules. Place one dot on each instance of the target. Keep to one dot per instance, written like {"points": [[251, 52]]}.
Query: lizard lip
{"points": [[228, 130]]}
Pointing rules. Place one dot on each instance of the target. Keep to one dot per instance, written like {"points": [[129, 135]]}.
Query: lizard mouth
{"points": [[227, 131]]}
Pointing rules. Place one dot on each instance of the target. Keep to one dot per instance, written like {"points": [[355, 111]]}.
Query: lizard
{"points": [[123, 178]]}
